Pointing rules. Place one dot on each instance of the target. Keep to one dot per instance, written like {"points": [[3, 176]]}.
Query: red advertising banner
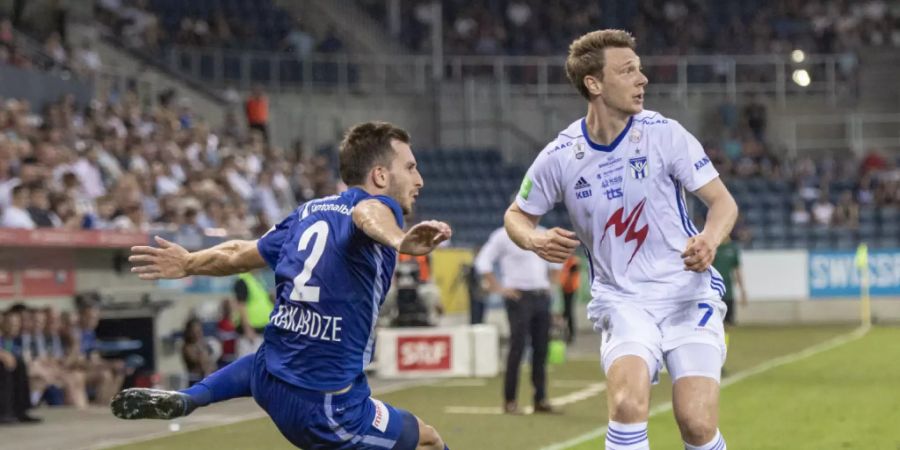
{"points": [[37, 272], [423, 353], [7, 284]]}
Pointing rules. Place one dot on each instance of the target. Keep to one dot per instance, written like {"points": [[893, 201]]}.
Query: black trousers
{"points": [[569, 315], [15, 395], [529, 316]]}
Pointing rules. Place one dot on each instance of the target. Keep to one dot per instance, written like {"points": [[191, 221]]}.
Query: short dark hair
{"points": [[366, 145]]}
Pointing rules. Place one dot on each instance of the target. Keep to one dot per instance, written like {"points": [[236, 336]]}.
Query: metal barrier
{"points": [[858, 132], [678, 76]]}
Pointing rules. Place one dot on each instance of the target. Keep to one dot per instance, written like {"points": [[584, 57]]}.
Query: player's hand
{"points": [[743, 297], [424, 237], [169, 260], [699, 253], [510, 294], [555, 245]]}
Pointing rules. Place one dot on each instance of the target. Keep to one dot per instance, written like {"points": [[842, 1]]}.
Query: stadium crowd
{"points": [[114, 165], [531, 27], [51, 357], [826, 190], [240, 25]]}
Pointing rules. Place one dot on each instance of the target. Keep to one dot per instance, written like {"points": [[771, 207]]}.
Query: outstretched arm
{"points": [[171, 260], [377, 221], [554, 245]]}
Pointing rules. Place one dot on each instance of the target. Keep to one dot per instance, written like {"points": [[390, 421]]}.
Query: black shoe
{"points": [[512, 408], [142, 403], [545, 408], [25, 418]]}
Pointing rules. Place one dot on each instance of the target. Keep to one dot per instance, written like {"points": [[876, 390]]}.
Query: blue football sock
{"points": [[231, 381]]}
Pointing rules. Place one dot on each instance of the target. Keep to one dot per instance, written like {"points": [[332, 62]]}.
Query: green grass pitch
{"points": [[847, 397]]}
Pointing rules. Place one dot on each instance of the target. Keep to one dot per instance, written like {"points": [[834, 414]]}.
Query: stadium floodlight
{"points": [[801, 77], [798, 56]]}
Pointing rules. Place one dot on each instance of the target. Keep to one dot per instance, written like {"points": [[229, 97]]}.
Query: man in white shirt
{"points": [[16, 215], [621, 172], [525, 287]]}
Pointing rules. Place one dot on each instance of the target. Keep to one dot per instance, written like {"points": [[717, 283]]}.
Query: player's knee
{"points": [[429, 438], [696, 429], [629, 406]]}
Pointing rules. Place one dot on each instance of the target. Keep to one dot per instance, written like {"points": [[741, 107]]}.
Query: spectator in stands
{"points": [[823, 210], [16, 214], [298, 41], [54, 47], [87, 60], [257, 111], [865, 190], [103, 377], [39, 208], [50, 349], [756, 117], [15, 392], [846, 212], [195, 352], [800, 215], [227, 333]]}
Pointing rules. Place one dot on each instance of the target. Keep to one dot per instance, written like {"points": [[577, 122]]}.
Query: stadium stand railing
{"points": [[676, 76]]}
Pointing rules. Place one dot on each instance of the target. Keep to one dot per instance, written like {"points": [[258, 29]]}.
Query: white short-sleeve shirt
{"points": [[626, 203]]}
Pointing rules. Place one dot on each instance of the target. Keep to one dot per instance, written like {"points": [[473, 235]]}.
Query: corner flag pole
{"points": [[862, 263]]}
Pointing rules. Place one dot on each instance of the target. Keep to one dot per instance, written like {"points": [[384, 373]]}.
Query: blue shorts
{"points": [[315, 420]]}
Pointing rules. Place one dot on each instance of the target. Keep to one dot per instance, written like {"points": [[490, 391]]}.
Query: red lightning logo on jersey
{"points": [[629, 224]]}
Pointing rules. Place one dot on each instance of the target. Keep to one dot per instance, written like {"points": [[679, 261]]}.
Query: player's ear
{"points": [[593, 85], [380, 176]]}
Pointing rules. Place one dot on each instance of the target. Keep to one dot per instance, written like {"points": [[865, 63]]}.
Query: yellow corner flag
{"points": [[862, 263]]}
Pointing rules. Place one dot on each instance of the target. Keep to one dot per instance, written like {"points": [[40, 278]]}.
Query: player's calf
{"points": [[142, 403]]}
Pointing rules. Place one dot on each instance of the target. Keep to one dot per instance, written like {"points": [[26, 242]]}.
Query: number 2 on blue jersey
{"points": [[318, 233], [707, 315]]}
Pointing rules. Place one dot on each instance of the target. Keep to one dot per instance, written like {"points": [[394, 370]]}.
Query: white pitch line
{"points": [[729, 380], [592, 390], [476, 382]]}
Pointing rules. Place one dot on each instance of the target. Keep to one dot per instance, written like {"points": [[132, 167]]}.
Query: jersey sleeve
{"points": [[395, 207], [540, 188], [269, 245], [690, 164]]}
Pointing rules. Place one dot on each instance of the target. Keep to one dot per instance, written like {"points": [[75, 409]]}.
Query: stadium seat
{"points": [[867, 215], [889, 215]]}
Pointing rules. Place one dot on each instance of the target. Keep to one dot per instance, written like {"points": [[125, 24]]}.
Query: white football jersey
{"points": [[626, 203]]}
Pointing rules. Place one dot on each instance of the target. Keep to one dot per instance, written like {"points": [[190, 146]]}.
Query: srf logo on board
{"points": [[423, 353]]}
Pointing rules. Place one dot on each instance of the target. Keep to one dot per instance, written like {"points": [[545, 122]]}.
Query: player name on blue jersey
{"points": [[307, 322]]}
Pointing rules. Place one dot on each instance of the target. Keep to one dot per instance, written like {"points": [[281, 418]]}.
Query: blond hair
{"points": [[586, 55]]}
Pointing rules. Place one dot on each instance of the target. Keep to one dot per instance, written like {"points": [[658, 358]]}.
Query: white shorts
{"points": [[652, 331]]}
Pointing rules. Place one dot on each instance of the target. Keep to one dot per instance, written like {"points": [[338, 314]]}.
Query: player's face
{"points": [[623, 81], [405, 178]]}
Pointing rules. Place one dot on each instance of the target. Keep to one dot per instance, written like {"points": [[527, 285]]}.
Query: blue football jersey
{"points": [[331, 281]]}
